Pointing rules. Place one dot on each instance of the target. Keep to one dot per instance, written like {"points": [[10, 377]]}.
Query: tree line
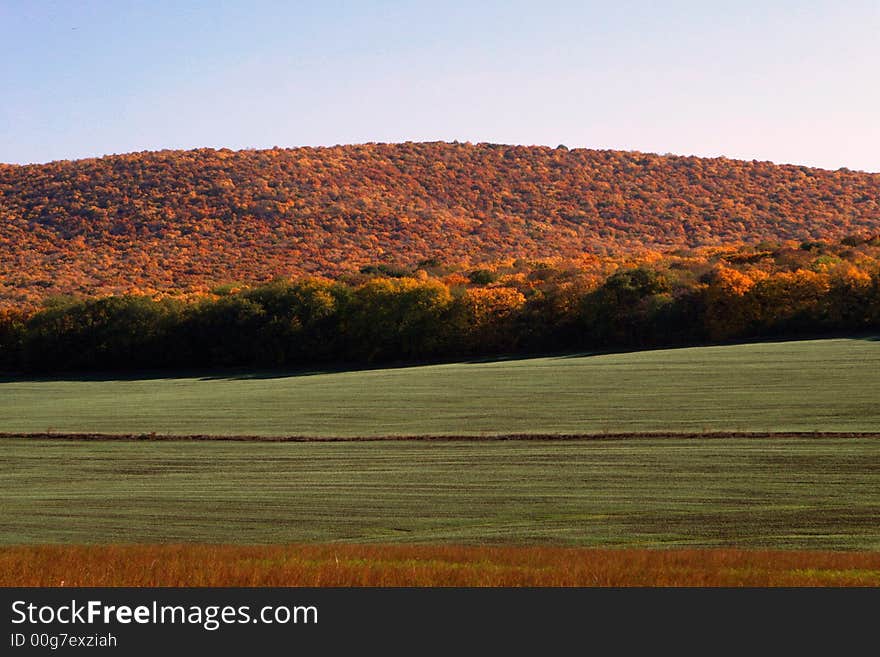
{"points": [[417, 317]]}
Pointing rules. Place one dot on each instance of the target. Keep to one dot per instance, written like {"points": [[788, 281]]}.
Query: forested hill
{"points": [[178, 220]]}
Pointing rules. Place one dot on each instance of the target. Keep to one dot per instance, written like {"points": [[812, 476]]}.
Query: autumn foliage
{"points": [[185, 222], [399, 315]]}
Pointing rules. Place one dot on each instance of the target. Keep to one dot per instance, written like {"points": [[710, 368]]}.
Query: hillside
{"points": [[764, 387], [174, 220]]}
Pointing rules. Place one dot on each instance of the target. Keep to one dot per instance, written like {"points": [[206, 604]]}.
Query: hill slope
{"points": [[750, 387], [184, 220]]}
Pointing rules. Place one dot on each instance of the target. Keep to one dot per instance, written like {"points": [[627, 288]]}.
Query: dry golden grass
{"points": [[399, 565]]}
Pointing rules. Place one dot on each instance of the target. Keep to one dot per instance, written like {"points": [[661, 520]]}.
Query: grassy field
{"points": [[672, 492], [820, 385], [396, 565], [400, 512]]}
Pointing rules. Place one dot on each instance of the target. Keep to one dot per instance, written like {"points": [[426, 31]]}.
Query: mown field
{"points": [[817, 385], [400, 512], [660, 493], [397, 565]]}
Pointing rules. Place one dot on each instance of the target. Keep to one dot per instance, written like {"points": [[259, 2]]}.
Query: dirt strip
{"points": [[439, 437]]}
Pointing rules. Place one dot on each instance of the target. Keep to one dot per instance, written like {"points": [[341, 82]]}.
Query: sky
{"points": [[788, 82]]}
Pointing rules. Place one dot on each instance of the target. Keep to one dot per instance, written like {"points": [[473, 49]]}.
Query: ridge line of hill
{"points": [[186, 221]]}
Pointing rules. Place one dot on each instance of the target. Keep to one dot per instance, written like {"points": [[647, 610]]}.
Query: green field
{"points": [[794, 492], [780, 493], [818, 385]]}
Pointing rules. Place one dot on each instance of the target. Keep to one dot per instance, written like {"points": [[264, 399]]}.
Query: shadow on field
{"points": [[155, 375], [241, 374], [244, 374]]}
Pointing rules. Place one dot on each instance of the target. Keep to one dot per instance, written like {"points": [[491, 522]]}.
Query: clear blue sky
{"points": [[787, 81]]}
